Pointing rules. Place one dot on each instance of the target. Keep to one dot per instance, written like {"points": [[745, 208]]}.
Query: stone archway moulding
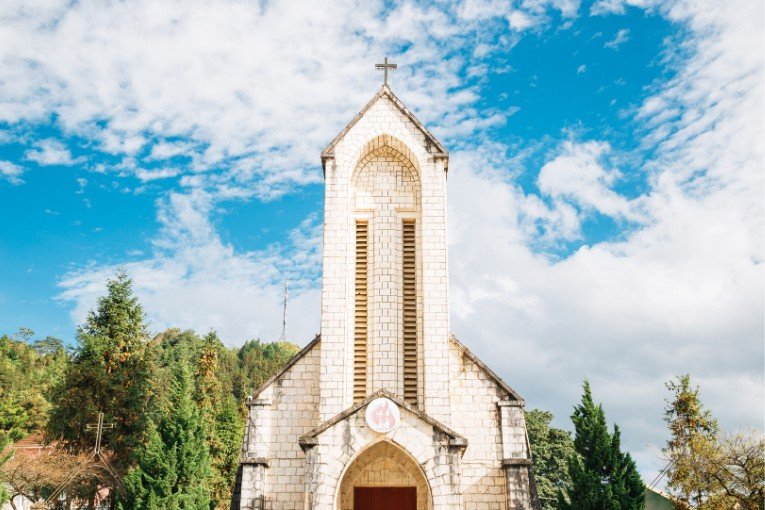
{"points": [[402, 150], [418, 476]]}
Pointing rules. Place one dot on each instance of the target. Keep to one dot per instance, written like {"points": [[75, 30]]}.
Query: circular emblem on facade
{"points": [[382, 415]]}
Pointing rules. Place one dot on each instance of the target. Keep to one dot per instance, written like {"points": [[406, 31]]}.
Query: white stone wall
{"points": [[474, 398], [386, 189], [279, 415], [383, 124]]}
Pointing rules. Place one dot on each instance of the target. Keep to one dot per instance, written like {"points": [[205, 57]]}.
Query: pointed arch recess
{"points": [[383, 464], [390, 145]]}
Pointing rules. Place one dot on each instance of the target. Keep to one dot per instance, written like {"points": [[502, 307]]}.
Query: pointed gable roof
{"points": [[385, 91]]}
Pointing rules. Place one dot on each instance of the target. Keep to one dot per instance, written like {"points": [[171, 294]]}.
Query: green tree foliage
{"points": [[209, 397], [29, 372], [111, 372], [116, 369], [5, 441], [602, 476], [550, 449], [259, 361], [229, 424], [707, 470], [628, 488], [173, 469], [693, 432]]}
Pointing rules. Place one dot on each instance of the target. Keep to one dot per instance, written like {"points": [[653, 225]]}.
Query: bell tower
{"points": [[385, 409], [384, 314]]}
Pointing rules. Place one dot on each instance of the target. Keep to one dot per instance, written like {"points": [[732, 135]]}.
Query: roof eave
{"points": [[488, 371], [297, 357]]}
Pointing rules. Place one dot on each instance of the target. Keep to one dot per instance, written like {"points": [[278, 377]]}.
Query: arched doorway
{"points": [[383, 471]]}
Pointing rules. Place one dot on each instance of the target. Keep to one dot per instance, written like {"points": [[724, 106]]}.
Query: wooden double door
{"points": [[385, 498]]}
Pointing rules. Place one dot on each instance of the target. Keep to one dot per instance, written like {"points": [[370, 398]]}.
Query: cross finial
{"points": [[384, 67]]}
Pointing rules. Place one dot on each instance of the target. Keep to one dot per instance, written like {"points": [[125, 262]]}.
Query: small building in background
{"points": [[658, 500]]}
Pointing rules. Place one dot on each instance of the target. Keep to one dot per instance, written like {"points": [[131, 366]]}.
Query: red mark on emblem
{"points": [[382, 417]]}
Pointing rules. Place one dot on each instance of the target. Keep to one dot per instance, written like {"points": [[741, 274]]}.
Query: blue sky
{"points": [[605, 186]]}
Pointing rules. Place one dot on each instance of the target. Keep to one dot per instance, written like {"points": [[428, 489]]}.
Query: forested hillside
{"points": [[175, 400]]}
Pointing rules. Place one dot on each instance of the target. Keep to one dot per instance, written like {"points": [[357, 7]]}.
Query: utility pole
{"points": [[283, 337]]}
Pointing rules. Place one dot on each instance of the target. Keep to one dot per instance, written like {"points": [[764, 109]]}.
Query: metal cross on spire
{"points": [[384, 67]]}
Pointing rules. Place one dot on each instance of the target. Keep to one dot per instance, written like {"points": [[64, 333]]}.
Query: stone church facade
{"points": [[385, 408]]}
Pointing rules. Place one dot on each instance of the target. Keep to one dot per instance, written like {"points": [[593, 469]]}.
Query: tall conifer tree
{"points": [[209, 399], [111, 373], [173, 469], [628, 489], [602, 477], [693, 439]]}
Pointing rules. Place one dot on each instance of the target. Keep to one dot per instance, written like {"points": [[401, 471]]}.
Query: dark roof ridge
{"points": [[297, 357], [488, 371]]}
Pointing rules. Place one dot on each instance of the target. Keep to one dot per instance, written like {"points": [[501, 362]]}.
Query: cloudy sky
{"points": [[605, 184]]}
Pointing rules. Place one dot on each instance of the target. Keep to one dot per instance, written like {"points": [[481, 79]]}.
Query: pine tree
{"points": [[172, 470], [229, 425], [153, 476], [628, 489], [602, 477], [111, 373], [209, 397], [693, 439], [5, 440]]}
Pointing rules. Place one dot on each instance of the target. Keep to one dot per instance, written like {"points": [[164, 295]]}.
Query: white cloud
{"points": [[194, 280], [604, 7], [246, 89], [528, 10], [166, 150], [680, 295], [11, 172], [681, 292], [519, 20], [577, 174], [51, 152], [153, 174], [621, 37]]}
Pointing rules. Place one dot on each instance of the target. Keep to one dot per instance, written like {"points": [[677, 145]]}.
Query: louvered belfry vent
{"points": [[409, 286], [361, 314]]}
